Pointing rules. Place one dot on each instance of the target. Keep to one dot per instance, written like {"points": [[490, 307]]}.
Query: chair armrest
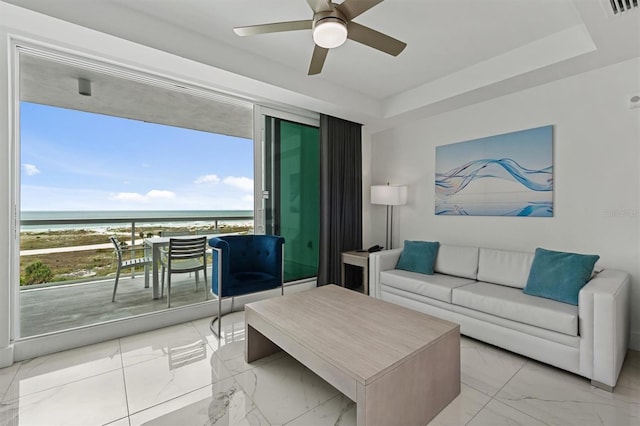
{"points": [[604, 314], [378, 262]]}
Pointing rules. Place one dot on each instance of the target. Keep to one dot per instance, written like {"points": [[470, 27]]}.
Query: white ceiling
{"points": [[459, 51], [436, 43]]}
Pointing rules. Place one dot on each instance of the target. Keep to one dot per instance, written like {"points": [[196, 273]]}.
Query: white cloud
{"points": [[128, 196], [208, 179], [154, 194], [242, 183], [30, 169], [157, 193]]}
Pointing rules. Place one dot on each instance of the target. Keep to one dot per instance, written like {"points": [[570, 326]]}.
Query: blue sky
{"points": [[73, 160]]}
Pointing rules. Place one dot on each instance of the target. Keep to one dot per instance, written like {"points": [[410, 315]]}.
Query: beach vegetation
{"points": [[36, 273]]}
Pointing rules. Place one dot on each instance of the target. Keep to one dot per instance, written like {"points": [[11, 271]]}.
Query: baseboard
{"points": [[6, 356], [634, 341]]}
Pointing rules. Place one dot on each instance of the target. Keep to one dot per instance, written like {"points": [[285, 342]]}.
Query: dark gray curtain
{"points": [[340, 194]]}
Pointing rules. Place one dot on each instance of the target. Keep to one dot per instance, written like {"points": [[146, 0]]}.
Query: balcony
{"points": [[82, 297], [60, 307]]}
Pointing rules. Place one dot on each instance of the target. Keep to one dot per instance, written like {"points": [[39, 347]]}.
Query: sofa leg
{"points": [[602, 386]]}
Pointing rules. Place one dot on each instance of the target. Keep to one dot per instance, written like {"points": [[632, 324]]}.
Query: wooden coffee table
{"points": [[400, 366]]}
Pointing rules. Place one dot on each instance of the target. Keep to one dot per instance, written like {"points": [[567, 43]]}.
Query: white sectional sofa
{"points": [[481, 289]]}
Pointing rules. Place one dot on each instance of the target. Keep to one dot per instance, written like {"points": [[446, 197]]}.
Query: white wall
{"points": [[596, 178]]}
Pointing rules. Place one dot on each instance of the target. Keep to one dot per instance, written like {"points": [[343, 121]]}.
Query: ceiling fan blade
{"points": [[353, 8], [275, 27], [375, 39], [317, 60], [320, 5]]}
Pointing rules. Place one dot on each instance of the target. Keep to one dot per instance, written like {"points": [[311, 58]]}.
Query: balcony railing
{"points": [[208, 223], [51, 307], [152, 220]]}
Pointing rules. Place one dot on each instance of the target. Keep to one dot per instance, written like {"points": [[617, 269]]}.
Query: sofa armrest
{"points": [[381, 261], [604, 313]]}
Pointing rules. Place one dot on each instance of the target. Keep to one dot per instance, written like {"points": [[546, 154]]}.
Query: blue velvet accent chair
{"points": [[244, 264]]}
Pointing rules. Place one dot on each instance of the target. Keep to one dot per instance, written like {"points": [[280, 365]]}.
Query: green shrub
{"points": [[37, 273]]}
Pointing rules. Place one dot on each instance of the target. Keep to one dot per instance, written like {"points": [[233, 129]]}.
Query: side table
{"points": [[357, 258]]}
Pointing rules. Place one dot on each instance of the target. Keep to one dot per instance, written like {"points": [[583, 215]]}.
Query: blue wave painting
{"points": [[504, 175]]}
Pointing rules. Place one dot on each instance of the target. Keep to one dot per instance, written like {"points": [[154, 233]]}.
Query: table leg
{"points": [[156, 281], [365, 278], [256, 345], [146, 275], [147, 253], [342, 275], [416, 390]]}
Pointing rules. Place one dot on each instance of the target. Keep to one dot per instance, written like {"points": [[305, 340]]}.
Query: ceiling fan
{"points": [[332, 24]]}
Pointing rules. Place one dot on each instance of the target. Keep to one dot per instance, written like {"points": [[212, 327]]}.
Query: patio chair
{"points": [[244, 264], [184, 255], [128, 263]]}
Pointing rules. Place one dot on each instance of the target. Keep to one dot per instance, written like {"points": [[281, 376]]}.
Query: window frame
{"points": [[29, 347]]}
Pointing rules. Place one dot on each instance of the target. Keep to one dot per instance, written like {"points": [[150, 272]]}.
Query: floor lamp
{"points": [[389, 195]]}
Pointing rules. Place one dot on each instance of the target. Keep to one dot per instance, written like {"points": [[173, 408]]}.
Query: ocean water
{"points": [[195, 218]]}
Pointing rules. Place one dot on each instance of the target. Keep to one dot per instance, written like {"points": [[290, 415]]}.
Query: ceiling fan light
{"points": [[330, 33]]}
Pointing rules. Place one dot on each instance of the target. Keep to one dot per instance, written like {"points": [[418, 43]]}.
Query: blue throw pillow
{"points": [[418, 256], [558, 275]]}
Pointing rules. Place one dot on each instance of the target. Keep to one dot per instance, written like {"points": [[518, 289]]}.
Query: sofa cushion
{"points": [[558, 275], [418, 256], [460, 261], [504, 267], [511, 303], [436, 286]]}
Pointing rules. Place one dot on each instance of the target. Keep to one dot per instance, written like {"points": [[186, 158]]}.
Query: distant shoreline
{"points": [[134, 214], [107, 220], [119, 227]]}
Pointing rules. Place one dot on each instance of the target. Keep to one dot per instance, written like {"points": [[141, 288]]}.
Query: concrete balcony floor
{"points": [[62, 307]]}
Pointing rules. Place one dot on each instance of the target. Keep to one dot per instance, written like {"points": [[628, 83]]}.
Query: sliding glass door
{"points": [[291, 196], [140, 159]]}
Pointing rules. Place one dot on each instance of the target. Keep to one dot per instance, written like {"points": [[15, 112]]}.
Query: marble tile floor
{"points": [[182, 375]]}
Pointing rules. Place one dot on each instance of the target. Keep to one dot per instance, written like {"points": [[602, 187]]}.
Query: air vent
{"points": [[619, 6]]}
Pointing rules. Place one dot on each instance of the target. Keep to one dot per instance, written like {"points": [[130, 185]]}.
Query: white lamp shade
{"points": [[330, 33], [389, 195]]}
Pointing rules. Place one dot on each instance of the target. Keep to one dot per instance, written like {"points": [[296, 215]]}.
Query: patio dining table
{"points": [[152, 247]]}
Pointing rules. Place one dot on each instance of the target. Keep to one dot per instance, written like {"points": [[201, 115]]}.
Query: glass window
{"points": [[116, 156]]}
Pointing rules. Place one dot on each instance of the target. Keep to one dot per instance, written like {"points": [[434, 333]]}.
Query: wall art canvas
{"points": [[504, 175]]}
